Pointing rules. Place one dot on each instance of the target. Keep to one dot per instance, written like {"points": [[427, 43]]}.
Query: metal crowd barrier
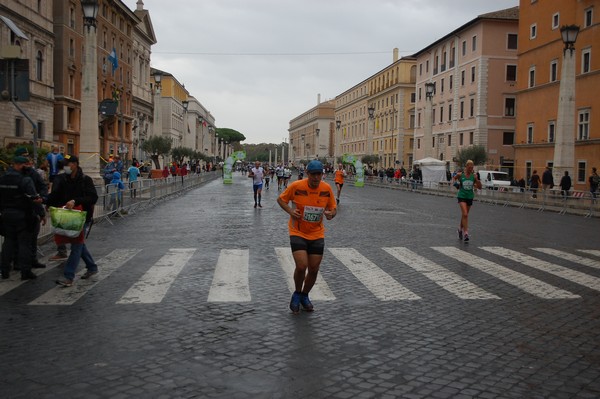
{"points": [[575, 202], [113, 203]]}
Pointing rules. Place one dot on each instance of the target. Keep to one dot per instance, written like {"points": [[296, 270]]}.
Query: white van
{"points": [[493, 179]]}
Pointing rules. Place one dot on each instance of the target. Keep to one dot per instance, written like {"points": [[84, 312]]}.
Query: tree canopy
{"points": [[230, 135], [475, 153], [157, 146]]}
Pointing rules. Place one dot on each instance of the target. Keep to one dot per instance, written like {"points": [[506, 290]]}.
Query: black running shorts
{"points": [[312, 247]]}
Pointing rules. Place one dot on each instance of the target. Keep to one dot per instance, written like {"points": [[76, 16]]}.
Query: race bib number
{"points": [[467, 184], [313, 214]]}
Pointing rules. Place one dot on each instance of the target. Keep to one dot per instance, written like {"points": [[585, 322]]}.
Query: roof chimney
{"points": [[140, 5], [318, 98], [395, 54]]}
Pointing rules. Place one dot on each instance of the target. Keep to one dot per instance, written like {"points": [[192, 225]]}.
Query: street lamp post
{"points": [[89, 138], [157, 127], [428, 131], [564, 144], [371, 122], [338, 141]]}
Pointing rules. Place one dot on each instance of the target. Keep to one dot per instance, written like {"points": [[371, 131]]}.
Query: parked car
{"points": [[493, 179]]}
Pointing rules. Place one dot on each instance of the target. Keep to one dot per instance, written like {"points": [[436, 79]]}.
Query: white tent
{"points": [[433, 170]]}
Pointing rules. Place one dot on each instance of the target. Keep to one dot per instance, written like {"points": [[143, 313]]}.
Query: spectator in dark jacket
{"points": [[74, 190], [547, 179], [565, 184]]}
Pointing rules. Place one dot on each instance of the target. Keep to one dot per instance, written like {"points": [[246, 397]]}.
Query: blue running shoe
{"points": [[295, 302], [305, 302], [466, 237]]}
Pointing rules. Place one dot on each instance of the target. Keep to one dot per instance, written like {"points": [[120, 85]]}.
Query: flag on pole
{"points": [[112, 58]]}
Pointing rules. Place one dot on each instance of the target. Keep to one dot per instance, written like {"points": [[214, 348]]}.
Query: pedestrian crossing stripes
{"points": [[446, 279], [381, 284], [560, 271], [519, 280], [230, 281], [231, 277], [69, 295], [595, 252], [570, 257], [153, 285]]}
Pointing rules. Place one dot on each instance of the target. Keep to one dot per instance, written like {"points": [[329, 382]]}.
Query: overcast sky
{"points": [[257, 64]]}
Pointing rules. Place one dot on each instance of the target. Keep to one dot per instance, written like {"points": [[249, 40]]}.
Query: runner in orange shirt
{"points": [[339, 180], [312, 199]]}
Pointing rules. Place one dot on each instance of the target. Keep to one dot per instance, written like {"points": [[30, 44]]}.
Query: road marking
{"points": [[154, 284], [563, 272], [69, 295], [320, 291], [594, 252], [381, 284], [443, 277], [230, 281], [15, 281], [519, 280], [570, 257]]}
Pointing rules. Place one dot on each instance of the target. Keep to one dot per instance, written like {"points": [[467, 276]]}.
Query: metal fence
{"points": [[114, 203], [575, 202]]}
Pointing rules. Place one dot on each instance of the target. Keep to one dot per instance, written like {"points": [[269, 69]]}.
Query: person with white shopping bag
{"points": [[74, 190]]}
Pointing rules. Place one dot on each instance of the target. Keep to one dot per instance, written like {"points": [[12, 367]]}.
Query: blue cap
{"points": [[314, 166]]}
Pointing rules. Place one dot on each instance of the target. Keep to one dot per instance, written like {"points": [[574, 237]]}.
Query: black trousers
{"points": [[17, 245]]}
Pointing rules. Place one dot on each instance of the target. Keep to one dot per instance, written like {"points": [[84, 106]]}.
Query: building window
{"points": [[450, 113], [508, 138], [418, 144], [511, 73], [472, 108], [533, 31], [472, 74], [433, 142], [471, 134], [72, 18], [460, 139], [588, 17], [464, 48], [586, 56], [39, 64], [474, 44], [442, 85], [581, 167], [452, 56], [462, 110], [441, 114], [450, 82], [531, 77], [412, 98], [427, 66], [511, 41], [40, 129], [19, 127], [420, 94], [551, 131], [553, 70], [71, 48], [509, 106], [449, 140], [420, 69], [411, 119], [583, 128], [462, 78], [555, 21], [530, 133]]}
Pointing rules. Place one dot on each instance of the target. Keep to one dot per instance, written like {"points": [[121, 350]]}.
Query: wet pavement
{"points": [[406, 310]]}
